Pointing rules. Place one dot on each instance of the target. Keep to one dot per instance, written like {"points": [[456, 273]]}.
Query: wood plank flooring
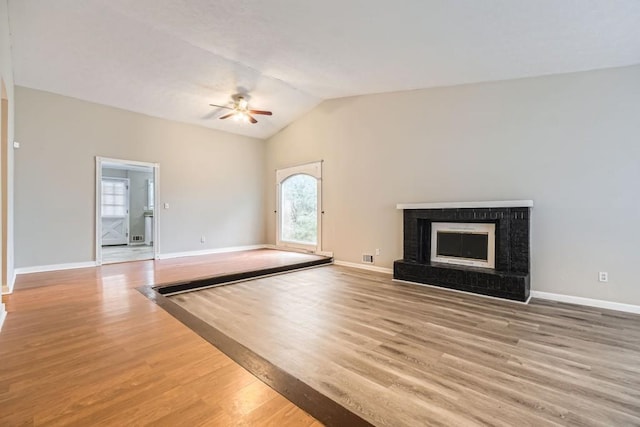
{"points": [[84, 347], [405, 355]]}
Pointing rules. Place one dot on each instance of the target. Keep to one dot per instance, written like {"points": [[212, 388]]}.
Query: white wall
{"points": [[569, 142], [212, 180], [138, 202], [115, 173]]}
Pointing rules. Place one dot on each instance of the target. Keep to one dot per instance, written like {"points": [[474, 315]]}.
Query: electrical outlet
{"points": [[603, 276], [377, 252]]}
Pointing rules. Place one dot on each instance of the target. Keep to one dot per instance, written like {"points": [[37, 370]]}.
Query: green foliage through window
{"points": [[299, 209]]}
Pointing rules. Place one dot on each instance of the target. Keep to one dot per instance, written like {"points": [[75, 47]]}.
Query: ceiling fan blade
{"points": [[226, 116], [221, 106], [266, 113], [251, 119]]}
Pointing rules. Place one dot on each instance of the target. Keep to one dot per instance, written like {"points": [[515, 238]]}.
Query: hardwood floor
{"points": [[159, 272], [399, 354], [84, 347]]}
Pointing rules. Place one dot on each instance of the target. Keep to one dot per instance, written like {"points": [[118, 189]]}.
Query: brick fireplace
{"points": [[461, 263]]}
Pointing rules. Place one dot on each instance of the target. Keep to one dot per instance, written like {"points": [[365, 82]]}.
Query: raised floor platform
{"points": [[252, 264]]}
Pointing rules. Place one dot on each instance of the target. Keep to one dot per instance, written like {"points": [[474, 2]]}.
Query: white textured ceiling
{"points": [[172, 58]]}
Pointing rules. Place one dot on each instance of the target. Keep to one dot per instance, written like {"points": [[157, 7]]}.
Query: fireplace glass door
{"points": [[463, 245]]}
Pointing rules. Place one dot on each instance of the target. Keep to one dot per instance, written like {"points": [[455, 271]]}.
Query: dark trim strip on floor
{"points": [[235, 277], [325, 410]]}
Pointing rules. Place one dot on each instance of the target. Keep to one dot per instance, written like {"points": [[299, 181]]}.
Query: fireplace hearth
{"points": [[480, 247]]}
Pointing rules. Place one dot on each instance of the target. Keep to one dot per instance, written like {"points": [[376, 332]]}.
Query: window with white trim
{"points": [[114, 197], [150, 195], [299, 206]]}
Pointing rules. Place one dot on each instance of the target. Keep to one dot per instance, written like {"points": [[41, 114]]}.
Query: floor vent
{"points": [[367, 259], [137, 238]]}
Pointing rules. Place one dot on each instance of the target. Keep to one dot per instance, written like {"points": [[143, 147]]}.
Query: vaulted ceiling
{"points": [[172, 58]]}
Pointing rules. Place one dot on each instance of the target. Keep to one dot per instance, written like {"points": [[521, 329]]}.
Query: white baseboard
{"points": [[364, 266], [3, 315], [53, 267], [210, 251], [629, 308]]}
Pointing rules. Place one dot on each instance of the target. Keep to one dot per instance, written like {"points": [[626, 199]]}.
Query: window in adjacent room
{"points": [[114, 197]]}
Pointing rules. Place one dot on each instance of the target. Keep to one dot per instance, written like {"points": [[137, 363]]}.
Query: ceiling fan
{"points": [[240, 110]]}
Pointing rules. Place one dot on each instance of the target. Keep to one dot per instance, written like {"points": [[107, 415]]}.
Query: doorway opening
{"points": [[126, 218], [299, 207]]}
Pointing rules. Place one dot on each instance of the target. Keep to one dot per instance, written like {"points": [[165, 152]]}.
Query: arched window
{"points": [[299, 207]]}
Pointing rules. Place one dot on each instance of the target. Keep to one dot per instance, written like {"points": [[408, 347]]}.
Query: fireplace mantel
{"points": [[467, 205]]}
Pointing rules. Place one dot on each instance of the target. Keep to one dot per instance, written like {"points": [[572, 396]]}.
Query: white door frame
{"points": [[156, 212], [313, 169]]}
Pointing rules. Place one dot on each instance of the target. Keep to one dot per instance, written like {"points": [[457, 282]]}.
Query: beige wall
{"points": [[6, 76], [212, 180], [569, 142]]}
